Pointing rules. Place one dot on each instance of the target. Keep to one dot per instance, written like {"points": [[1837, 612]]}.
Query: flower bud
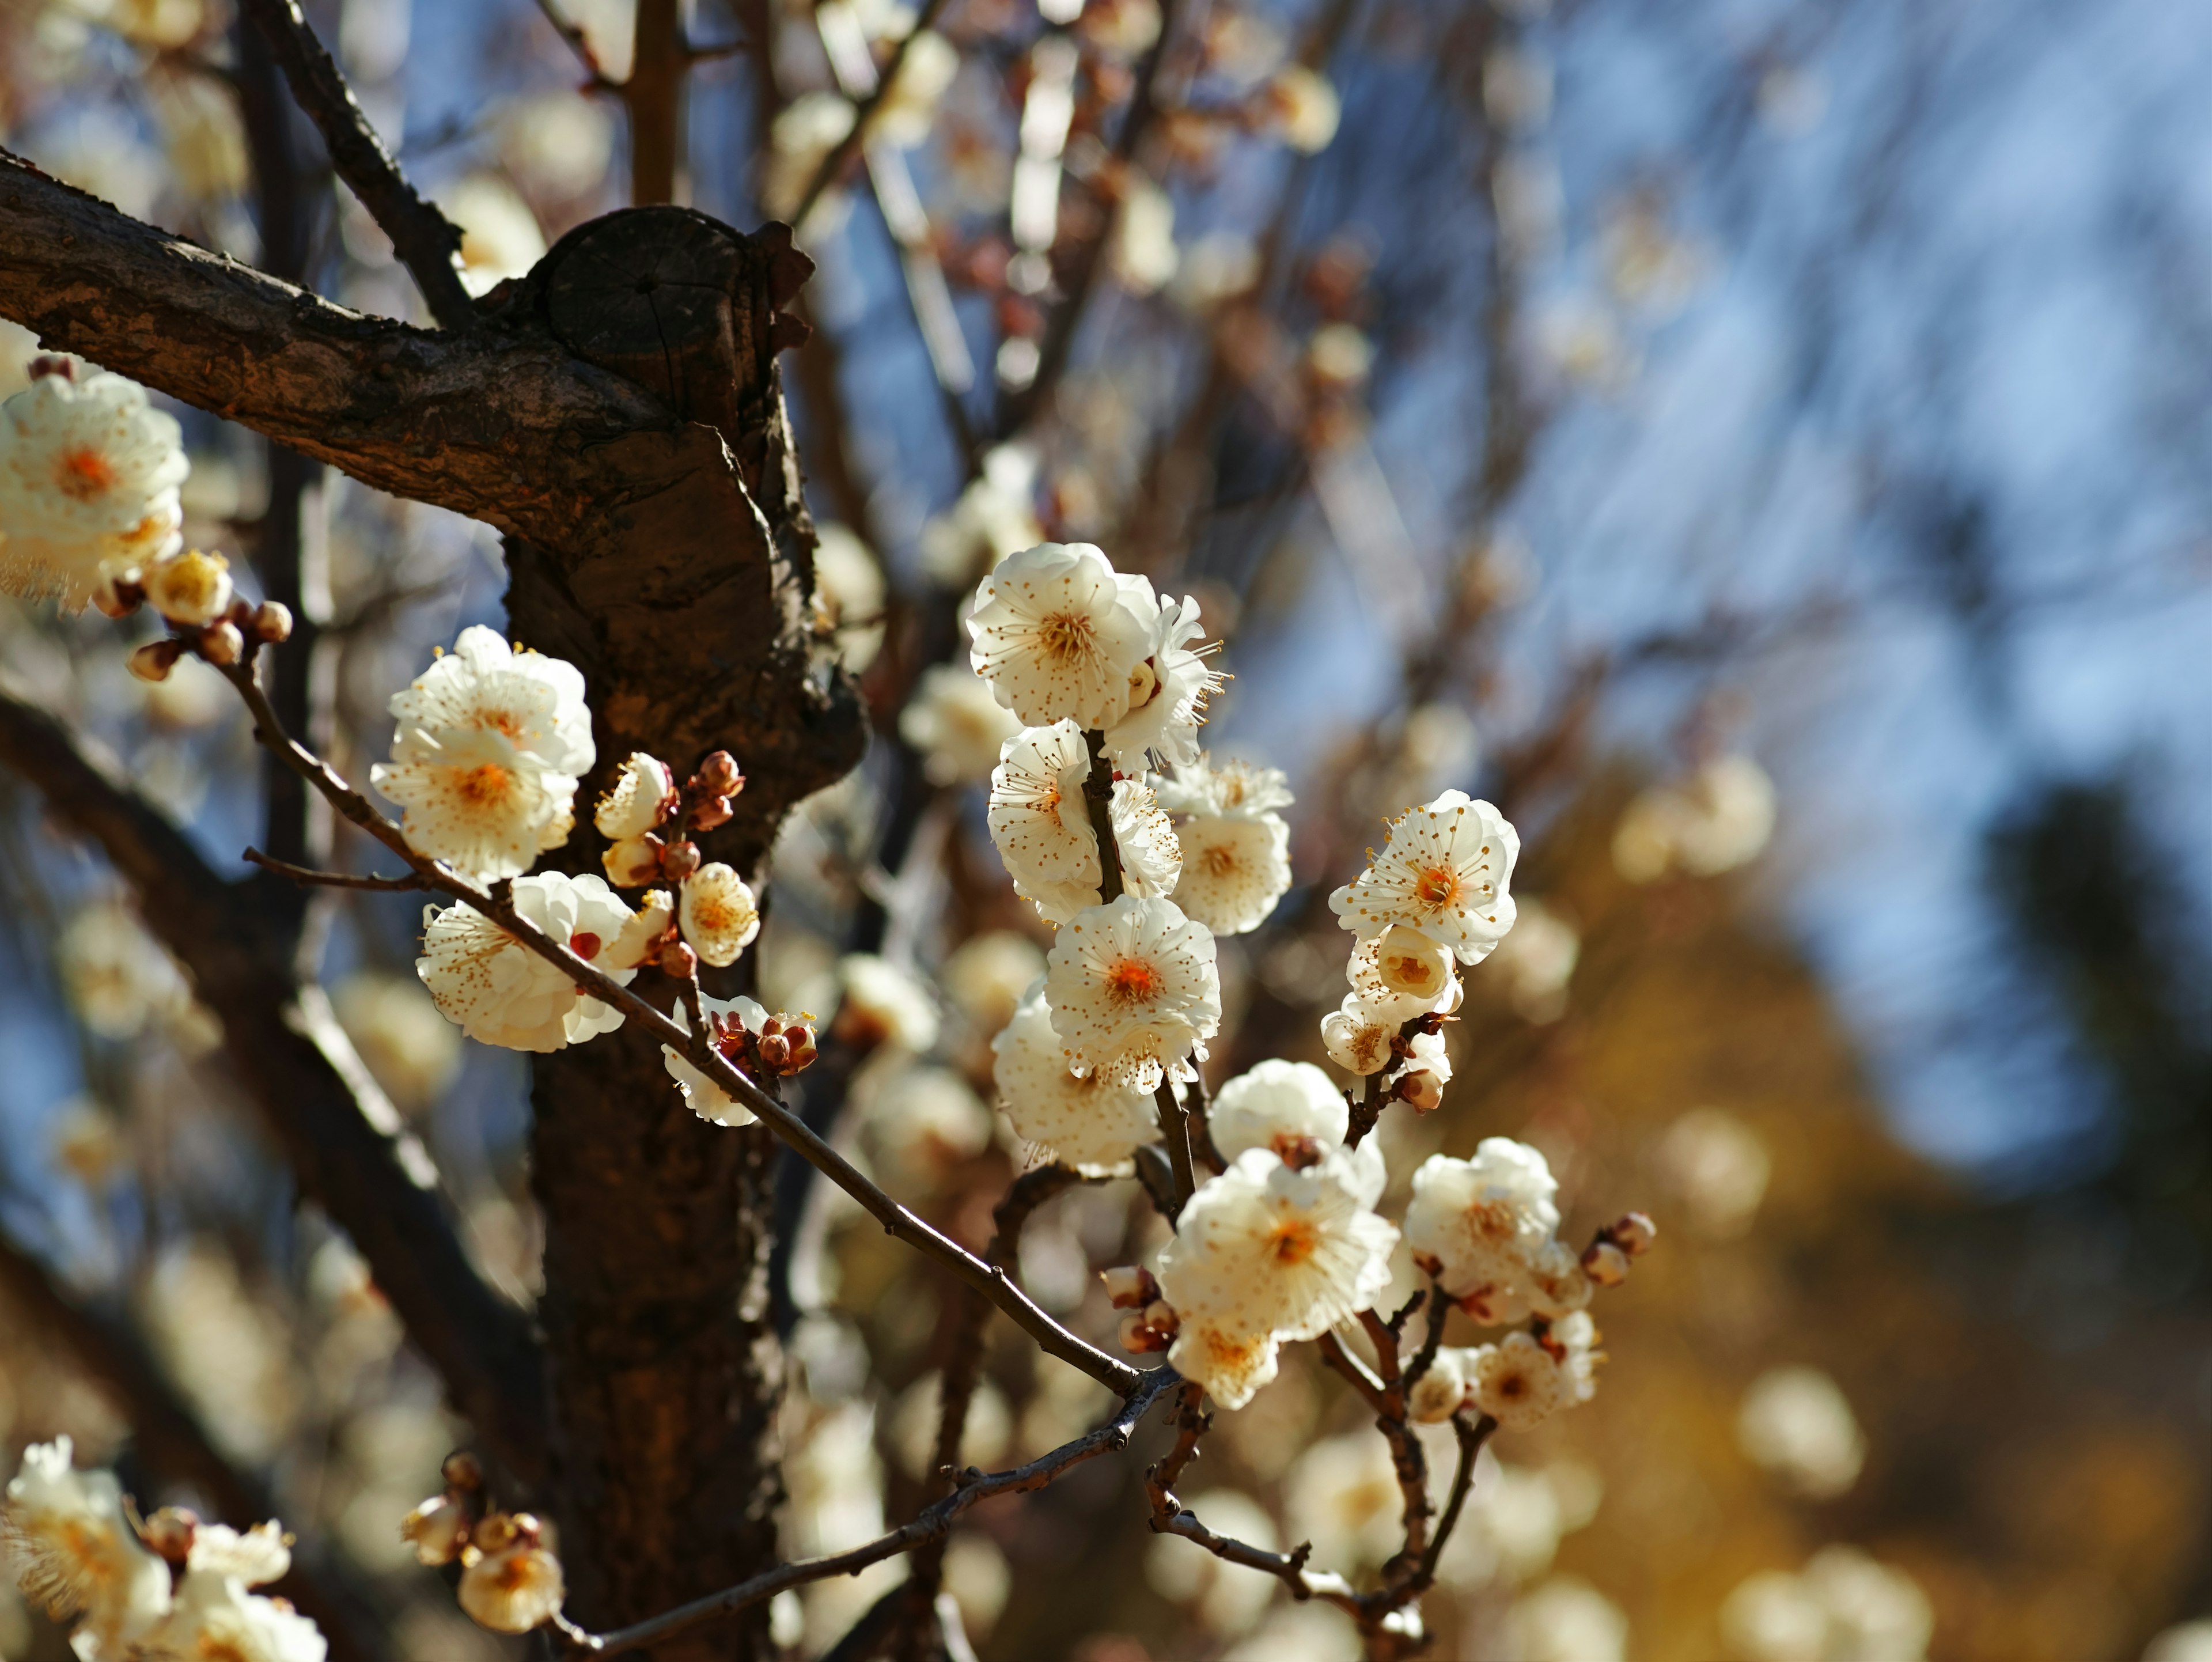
{"points": [[272, 622], [719, 774], [154, 661], [190, 589], [637, 800], [52, 363], [120, 596], [495, 1532], [1605, 1263], [633, 860], [1141, 1340], [463, 1470], [677, 959], [1298, 1153], [437, 1529], [1634, 1233], [169, 1533], [1422, 1089], [709, 812], [774, 1051], [1129, 1287], [680, 859], [222, 643], [1438, 1393], [1159, 1316]]}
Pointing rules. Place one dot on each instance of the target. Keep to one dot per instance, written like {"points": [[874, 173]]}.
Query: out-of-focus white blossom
{"points": [[1717, 820], [1796, 1424], [885, 1005], [1719, 1167], [1133, 989], [500, 235], [718, 914], [514, 1590], [557, 144], [738, 1016], [804, 133], [498, 992], [1276, 1105], [848, 595], [988, 975], [73, 1552], [922, 1124], [119, 979], [1301, 108], [1061, 637], [1537, 961], [1439, 1392], [1088, 1121], [89, 477], [994, 519], [2190, 1642], [1842, 1607], [1567, 1620], [215, 1617], [413, 1052], [908, 110], [1342, 1494], [1143, 254], [490, 746], [957, 726], [1445, 871]]}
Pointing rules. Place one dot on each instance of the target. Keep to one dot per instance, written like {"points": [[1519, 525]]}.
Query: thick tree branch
{"points": [[973, 1486], [369, 1179], [504, 426], [169, 1441], [428, 243]]}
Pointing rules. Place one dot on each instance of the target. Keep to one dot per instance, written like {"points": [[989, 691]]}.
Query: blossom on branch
{"points": [[1444, 872], [1485, 1229], [499, 992], [490, 747], [73, 1552], [1235, 848], [1087, 1120], [1133, 990], [89, 477], [728, 1021], [718, 914], [1168, 692], [1060, 637], [1041, 825], [638, 799], [215, 1616], [1279, 1105]]}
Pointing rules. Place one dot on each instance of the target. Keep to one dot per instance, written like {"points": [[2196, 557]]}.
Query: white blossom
{"points": [[1272, 1248], [1358, 1036], [729, 1020], [1478, 1224], [88, 478], [1720, 818], [1088, 1121], [216, 1619], [73, 1552], [1441, 1391], [718, 914], [1796, 1424], [1567, 1620], [499, 992], [1230, 789], [255, 1556], [957, 725], [988, 975], [1538, 961], [1133, 989], [1518, 1382], [1445, 872], [490, 746], [1060, 637], [1167, 700], [1041, 825], [890, 1006], [633, 803], [515, 1590], [1842, 1607], [1235, 869], [1232, 1362], [1276, 1105]]}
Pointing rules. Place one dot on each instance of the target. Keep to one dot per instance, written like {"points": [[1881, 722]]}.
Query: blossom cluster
{"points": [[510, 1581], [169, 1586]]}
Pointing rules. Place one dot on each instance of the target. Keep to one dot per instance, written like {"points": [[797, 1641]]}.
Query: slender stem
{"points": [[1175, 1131], [992, 1282], [934, 1521], [1471, 1440], [825, 173], [1098, 799], [309, 877]]}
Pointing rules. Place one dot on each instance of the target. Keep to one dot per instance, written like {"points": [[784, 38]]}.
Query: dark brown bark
{"points": [[687, 613]]}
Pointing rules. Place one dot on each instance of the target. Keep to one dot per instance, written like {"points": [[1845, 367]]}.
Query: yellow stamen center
{"points": [[83, 473], [482, 788], [1437, 887], [1066, 635], [1132, 981]]}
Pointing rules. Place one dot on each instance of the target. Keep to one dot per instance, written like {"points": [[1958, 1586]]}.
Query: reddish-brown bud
{"points": [[48, 363], [1140, 1339], [679, 860], [677, 959], [169, 1533], [272, 622], [154, 661], [1605, 1263], [1129, 1287], [719, 774], [1634, 1233], [461, 1470], [709, 812], [120, 596], [1299, 1153], [221, 644]]}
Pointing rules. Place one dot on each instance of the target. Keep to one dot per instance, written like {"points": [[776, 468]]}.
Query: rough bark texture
{"points": [[685, 607], [618, 414]]}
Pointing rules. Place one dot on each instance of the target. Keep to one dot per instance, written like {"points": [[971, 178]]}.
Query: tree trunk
{"points": [[684, 603]]}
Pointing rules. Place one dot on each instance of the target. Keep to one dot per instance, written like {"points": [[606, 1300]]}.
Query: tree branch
{"points": [[428, 243], [497, 425], [167, 1435], [695, 1046], [973, 1486], [373, 1180]]}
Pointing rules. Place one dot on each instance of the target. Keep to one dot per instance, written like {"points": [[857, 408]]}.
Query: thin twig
{"points": [[825, 173], [973, 1486], [695, 1047], [1175, 1131], [309, 877], [1471, 1440], [428, 244]]}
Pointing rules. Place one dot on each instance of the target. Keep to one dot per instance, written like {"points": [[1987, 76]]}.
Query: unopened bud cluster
{"points": [[1617, 1246], [1151, 1324], [510, 1581], [779, 1045], [646, 817], [192, 591]]}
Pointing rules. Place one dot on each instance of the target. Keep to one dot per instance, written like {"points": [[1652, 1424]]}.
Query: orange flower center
{"points": [[1437, 887], [1294, 1241], [1412, 970], [1066, 635], [84, 473], [1218, 860], [481, 787], [1132, 981]]}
